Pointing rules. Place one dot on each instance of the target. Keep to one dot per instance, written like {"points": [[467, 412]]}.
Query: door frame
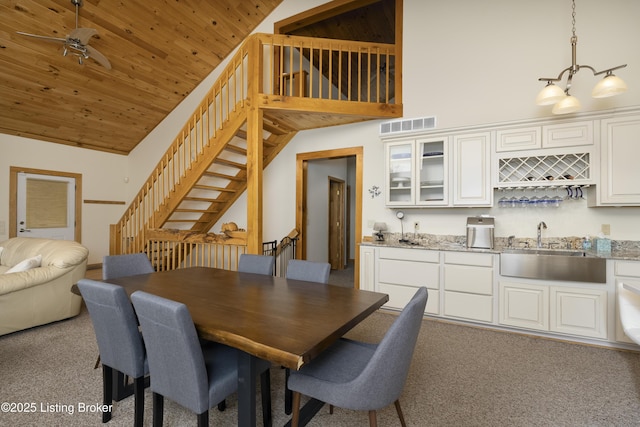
{"points": [[302, 160], [13, 197]]}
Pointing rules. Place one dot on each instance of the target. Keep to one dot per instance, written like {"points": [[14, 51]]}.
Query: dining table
{"points": [[287, 322]]}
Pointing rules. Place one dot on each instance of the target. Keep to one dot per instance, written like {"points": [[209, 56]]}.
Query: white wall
{"points": [[103, 178], [466, 62]]}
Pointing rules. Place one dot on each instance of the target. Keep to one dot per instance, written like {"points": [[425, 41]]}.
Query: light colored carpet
{"points": [[460, 376]]}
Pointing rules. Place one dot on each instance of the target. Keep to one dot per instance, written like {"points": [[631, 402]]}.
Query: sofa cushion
{"points": [[26, 264]]}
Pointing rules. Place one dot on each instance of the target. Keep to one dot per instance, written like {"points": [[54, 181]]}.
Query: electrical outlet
{"points": [[606, 229], [416, 225], [370, 223]]}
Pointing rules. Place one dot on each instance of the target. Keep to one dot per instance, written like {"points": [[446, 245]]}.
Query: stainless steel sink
{"points": [[527, 251], [551, 264]]}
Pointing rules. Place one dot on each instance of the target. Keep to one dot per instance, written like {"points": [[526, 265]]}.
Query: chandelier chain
{"points": [[573, 19]]}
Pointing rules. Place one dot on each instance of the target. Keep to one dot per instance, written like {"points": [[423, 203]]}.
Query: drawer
{"points": [[399, 296], [409, 254], [467, 258], [468, 306], [410, 273], [627, 268], [475, 280]]}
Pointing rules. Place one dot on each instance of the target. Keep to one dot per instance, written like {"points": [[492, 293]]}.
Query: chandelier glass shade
{"points": [[563, 102]]}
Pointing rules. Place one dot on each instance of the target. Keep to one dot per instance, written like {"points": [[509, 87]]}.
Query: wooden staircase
{"points": [[249, 115]]}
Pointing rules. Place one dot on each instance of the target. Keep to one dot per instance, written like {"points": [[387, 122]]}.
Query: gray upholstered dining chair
{"points": [[119, 340], [361, 376], [194, 376], [310, 271], [125, 265], [259, 264], [629, 309]]}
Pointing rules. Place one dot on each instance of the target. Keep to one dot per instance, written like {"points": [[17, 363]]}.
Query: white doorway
{"points": [[46, 205]]}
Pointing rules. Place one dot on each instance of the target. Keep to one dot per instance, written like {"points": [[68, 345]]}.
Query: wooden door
{"points": [[336, 223]]}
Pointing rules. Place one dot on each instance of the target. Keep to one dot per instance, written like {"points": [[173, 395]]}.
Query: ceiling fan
{"points": [[77, 42]]}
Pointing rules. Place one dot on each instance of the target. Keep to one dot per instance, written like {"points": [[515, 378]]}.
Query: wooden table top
{"points": [[288, 322]]}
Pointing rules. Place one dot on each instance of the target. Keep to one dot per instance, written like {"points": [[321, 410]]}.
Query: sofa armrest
{"points": [[25, 279]]}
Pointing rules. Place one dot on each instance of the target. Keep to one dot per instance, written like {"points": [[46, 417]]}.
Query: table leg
{"points": [[307, 412], [246, 389]]}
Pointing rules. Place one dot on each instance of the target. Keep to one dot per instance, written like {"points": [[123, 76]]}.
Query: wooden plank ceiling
{"points": [[159, 51]]}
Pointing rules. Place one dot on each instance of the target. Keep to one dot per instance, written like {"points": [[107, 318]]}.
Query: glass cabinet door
{"points": [[400, 163], [431, 172]]}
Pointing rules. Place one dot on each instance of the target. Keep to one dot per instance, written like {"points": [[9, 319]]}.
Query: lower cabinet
{"points": [[468, 286], [524, 306], [400, 272], [565, 310]]}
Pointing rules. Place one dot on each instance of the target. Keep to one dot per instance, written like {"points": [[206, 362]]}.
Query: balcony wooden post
{"points": [[254, 151]]}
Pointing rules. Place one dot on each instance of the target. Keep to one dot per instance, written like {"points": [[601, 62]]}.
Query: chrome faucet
{"points": [[540, 227]]}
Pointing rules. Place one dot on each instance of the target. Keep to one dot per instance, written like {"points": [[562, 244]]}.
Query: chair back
{"points": [[629, 309], [382, 380], [125, 265], [308, 270], [259, 264], [176, 363], [114, 321]]}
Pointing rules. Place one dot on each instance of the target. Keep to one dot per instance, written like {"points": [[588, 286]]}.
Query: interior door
{"points": [[45, 206], [336, 223]]}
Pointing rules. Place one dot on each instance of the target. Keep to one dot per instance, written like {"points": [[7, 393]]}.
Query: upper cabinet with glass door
{"points": [[399, 172], [417, 172], [431, 172]]}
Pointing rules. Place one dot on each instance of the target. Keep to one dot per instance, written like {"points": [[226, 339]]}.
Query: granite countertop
{"points": [[620, 250]]}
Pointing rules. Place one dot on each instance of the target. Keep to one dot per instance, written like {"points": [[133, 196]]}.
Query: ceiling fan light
{"points": [[611, 85], [550, 94], [569, 104]]}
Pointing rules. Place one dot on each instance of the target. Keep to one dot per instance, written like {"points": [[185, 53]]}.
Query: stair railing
{"points": [[328, 70]]}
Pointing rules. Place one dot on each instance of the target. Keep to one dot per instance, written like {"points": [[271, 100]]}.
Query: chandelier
{"points": [[564, 102]]}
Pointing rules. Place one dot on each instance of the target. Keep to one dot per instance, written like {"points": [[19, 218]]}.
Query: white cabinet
{"points": [[524, 305], [367, 268], [400, 190], [521, 138], [619, 171], [472, 170], [578, 311], [567, 134], [400, 272], [539, 306], [557, 135], [439, 171], [468, 286]]}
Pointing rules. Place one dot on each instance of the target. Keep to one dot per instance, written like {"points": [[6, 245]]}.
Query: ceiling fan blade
{"points": [[98, 57], [46, 38], [82, 34]]}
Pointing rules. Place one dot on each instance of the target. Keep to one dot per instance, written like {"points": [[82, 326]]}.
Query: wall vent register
{"points": [[407, 125]]}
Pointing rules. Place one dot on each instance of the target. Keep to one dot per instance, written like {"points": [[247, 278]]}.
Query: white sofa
{"points": [[40, 294]]}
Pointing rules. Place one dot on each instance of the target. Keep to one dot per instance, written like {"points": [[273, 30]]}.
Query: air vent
{"points": [[407, 125]]}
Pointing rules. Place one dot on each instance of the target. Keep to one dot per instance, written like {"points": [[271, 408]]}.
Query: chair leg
{"points": [[295, 403], [138, 395], [203, 419], [158, 409], [107, 391], [399, 411], [330, 409], [373, 422], [265, 392], [287, 393]]}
